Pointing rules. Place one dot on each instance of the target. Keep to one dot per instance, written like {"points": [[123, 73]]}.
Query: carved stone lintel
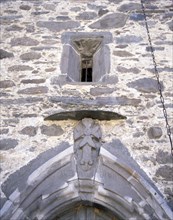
{"points": [[87, 135]]}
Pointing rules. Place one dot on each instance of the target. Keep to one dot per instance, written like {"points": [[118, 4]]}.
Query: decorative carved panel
{"points": [[87, 46], [87, 135]]}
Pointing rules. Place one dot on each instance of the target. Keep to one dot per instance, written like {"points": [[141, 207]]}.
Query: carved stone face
{"points": [[87, 135]]}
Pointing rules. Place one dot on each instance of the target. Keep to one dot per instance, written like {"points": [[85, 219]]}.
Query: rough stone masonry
{"points": [[33, 85]]}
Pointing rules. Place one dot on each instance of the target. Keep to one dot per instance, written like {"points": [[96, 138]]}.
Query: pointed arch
{"points": [[55, 187]]}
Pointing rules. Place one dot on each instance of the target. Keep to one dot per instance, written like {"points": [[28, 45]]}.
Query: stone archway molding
{"points": [[55, 186]]}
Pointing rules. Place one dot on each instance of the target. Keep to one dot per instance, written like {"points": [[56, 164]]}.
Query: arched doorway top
{"points": [[56, 186]]}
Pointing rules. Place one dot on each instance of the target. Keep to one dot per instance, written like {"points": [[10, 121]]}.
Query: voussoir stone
{"points": [[6, 144], [6, 84], [24, 41], [52, 130], [146, 85], [5, 54], [34, 90], [58, 26], [154, 132], [19, 68], [29, 130], [108, 21], [30, 56]]}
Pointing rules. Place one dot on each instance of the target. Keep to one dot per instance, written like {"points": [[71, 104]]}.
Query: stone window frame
{"points": [[70, 68]]}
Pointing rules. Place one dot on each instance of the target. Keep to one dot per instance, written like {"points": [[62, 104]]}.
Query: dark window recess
{"points": [[86, 71]]}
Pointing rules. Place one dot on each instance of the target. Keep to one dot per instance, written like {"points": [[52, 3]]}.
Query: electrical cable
{"points": [[158, 78]]}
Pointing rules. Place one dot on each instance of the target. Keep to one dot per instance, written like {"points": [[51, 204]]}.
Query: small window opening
{"points": [[86, 48], [86, 71]]}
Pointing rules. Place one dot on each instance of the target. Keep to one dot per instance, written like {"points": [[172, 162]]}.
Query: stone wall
{"points": [[32, 86]]}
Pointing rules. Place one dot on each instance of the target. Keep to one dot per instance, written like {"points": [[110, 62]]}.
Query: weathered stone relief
{"points": [[87, 137]]}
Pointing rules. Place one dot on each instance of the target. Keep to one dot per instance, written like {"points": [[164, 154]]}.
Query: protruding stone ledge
{"points": [[80, 114], [94, 103]]}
